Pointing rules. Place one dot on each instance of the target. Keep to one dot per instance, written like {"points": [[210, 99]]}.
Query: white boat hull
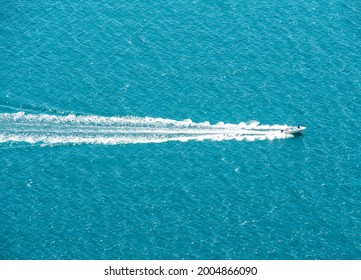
{"points": [[293, 130]]}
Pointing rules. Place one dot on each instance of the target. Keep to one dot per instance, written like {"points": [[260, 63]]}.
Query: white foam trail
{"points": [[72, 129]]}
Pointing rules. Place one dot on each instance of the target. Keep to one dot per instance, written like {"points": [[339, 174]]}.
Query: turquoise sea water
{"points": [[151, 129]]}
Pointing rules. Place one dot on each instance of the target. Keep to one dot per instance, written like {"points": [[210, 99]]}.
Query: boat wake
{"points": [[73, 129]]}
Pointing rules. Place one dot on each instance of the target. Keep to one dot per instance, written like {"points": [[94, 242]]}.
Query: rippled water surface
{"points": [[152, 130]]}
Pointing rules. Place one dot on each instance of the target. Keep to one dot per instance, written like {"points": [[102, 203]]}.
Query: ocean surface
{"points": [[152, 129]]}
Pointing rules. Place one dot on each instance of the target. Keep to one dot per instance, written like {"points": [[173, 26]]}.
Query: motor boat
{"points": [[293, 129]]}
